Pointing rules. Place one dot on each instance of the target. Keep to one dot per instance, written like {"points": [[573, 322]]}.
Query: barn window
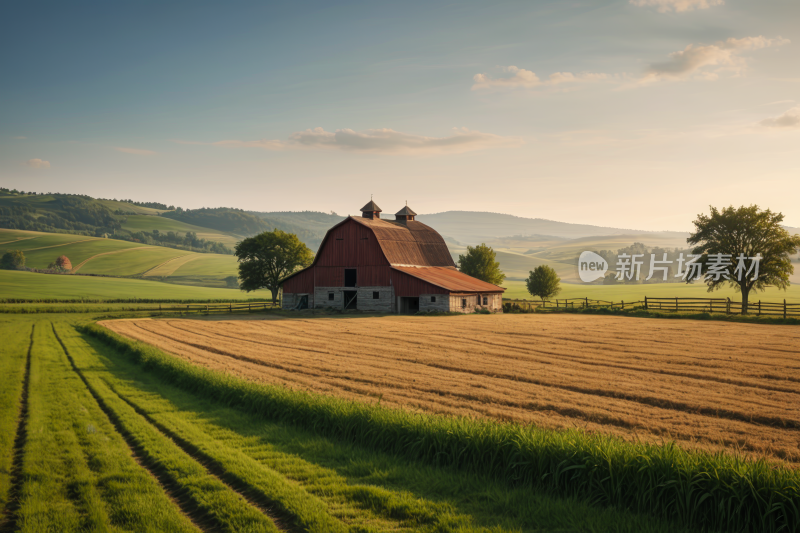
{"points": [[485, 300], [463, 302], [376, 295], [330, 296], [350, 277], [433, 299]]}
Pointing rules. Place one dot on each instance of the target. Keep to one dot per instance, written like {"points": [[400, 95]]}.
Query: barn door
{"points": [[351, 299]]}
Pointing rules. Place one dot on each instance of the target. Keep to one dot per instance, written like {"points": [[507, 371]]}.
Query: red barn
{"points": [[398, 266]]}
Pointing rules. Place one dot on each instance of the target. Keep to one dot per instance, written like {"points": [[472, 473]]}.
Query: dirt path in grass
{"points": [[709, 385], [168, 267], [82, 263], [18, 240]]}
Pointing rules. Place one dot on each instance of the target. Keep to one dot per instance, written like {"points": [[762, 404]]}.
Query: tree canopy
{"points": [[543, 282], [480, 262], [729, 242], [12, 260], [267, 258]]}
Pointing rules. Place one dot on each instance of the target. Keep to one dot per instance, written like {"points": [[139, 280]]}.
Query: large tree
{"points": [[729, 241], [543, 282], [480, 262], [12, 260], [267, 258]]}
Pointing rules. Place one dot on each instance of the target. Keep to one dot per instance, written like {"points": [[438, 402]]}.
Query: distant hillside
{"points": [[310, 226], [474, 227]]}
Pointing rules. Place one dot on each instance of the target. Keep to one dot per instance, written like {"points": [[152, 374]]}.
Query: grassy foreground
{"points": [[713, 492], [121, 437]]}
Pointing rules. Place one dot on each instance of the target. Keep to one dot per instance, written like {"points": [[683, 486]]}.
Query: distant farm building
{"points": [[398, 266]]}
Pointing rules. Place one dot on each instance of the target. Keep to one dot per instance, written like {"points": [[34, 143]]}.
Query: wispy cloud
{"points": [[788, 120], [20, 137], [665, 6], [38, 163], [383, 140], [522, 78], [709, 61], [134, 151]]}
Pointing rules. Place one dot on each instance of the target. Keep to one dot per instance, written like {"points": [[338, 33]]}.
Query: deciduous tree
{"points": [[480, 262], [739, 235], [12, 260], [543, 282], [267, 258]]}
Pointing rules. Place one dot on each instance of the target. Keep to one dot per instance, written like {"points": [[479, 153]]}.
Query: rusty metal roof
{"points": [[409, 243], [449, 278]]}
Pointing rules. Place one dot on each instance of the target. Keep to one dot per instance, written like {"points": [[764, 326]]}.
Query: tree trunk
{"points": [[745, 298], [274, 295]]}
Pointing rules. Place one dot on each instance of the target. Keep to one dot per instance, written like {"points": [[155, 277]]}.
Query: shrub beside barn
{"points": [[389, 266]]}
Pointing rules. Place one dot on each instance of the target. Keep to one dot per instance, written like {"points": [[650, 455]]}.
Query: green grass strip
{"points": [[709, 491], [13, 355], [289, 499], [58, 492], [229, 510]]}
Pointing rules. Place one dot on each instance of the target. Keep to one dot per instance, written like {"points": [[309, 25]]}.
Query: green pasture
{"points": [[136, 223], [127, 259], [132, 262], [32, 286], [211, 269]]}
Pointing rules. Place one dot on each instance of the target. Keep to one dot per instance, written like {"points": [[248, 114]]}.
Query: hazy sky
{"points": [[633, 114]]}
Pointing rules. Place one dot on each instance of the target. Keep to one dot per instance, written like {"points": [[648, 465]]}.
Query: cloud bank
{"points": [[789, 120], [385, 140], [709, 61], [38, 163], [134, 151], [679, 6], [522, 78]]}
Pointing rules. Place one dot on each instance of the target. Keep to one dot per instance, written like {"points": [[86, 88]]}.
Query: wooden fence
{"points": [[700, 305], [229, 307]]}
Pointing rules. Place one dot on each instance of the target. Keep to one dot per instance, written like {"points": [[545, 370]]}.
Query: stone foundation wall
{"points": [[366, 302], [494, 303], [442, 302]]}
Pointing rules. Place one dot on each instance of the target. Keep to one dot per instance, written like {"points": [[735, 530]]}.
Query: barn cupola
{"points": [[371, 210], [405, 214]]}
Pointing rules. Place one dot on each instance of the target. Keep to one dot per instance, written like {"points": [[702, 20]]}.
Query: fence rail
{"points": [[709, 305]]}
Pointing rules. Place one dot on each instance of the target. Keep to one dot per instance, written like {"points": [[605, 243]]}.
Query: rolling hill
{"points": [[110, 257]]}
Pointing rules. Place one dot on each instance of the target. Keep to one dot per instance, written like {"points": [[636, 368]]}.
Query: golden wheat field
{"points": [[709, 385]]}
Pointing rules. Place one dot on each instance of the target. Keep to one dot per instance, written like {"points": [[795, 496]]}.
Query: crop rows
{"points": [[710, 386], [709, 491]]}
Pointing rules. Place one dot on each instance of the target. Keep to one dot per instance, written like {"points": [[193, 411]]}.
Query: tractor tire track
{"points": [[187, 505], [190, 508], [9, 522]]}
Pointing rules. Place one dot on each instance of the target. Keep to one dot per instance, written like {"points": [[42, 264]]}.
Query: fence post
{"points": [[728, 306], [587, 302], [645, 303], [759, 308], [784, 308], [230, 307], [623, 303], [248, 307], [676, 304]]}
